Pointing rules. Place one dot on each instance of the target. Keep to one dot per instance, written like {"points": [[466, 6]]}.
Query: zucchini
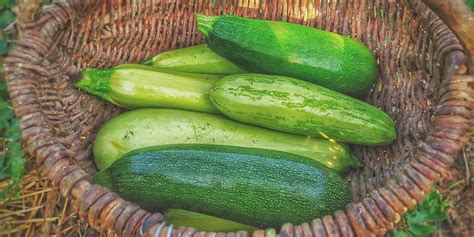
{"points": [[324, 58], [139, 86], [151, 127], [295, 106], [195, 59], [214, 76], [203, 222], [263, 188]]}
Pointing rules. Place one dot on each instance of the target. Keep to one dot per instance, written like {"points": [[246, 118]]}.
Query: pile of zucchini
{"points": [[246, 131]]}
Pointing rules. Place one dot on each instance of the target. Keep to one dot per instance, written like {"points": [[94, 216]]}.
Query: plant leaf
{"points": [[4, 44], [422, 230], [399, 233], [4, 194], [5, 112], [13, 132], [431, 210], [10, 3], [12, 157], [470, 4], [3, 173], [3, 89], [16, 154], [6, 17], [434, 207], [417, 217], [3, 105]]}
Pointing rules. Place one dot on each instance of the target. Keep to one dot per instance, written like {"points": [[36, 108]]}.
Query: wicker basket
{"points": [[420, 85]]}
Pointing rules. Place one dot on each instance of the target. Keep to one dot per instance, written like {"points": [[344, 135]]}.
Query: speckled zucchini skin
{"points": [[317, 56], [257, 187]]}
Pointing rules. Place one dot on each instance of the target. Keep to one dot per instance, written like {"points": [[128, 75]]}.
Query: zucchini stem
{"points": [[148, 62], [96, 81], [205, 23]]}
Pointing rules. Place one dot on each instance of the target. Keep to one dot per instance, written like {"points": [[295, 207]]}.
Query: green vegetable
{"points": [[207, 76], [280, 48], [299, 107], [150, 127], [196, 59], [202, 222], [256, 187], [139, 86]]}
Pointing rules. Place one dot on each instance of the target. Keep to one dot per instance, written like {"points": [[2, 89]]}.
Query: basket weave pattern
{"points": [[420, 85]]}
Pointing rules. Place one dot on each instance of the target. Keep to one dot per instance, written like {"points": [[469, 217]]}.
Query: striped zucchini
{"points": [[195, 59], [295, 106], [139, 86], [202, 222]]}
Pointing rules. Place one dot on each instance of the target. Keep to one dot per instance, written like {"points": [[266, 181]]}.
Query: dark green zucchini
{"points": [[262, 188], [324, 58]]}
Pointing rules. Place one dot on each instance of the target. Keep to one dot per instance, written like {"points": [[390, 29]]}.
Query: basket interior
{"points": [[411, 45]]}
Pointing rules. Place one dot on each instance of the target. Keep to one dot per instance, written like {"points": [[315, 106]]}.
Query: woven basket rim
{"points": [[375, 214]]}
